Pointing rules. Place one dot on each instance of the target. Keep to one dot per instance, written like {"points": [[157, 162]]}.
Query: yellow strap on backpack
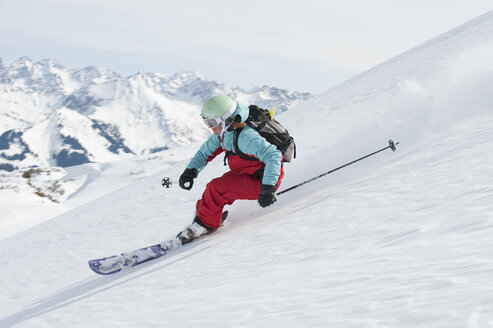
{"points": [[272, 112]]}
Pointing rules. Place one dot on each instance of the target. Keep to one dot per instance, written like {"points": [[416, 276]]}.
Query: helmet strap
{"points": [[224, 128]]}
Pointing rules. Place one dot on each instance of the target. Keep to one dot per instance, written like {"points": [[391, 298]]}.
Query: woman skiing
{"points": [[257, 178]]}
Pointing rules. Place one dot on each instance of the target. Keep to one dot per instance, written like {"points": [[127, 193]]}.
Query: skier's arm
{"points": [[209, 149], [251, 143]]}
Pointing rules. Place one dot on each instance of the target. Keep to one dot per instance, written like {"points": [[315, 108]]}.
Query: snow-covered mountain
{"points": [[54, 116], [398, 240]]}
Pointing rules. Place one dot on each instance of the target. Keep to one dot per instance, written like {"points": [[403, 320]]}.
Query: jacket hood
{"points": [[242, 110]]}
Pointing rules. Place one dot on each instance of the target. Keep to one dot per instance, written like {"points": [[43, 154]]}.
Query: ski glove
{"points": [[186, 178], [267, 195]]}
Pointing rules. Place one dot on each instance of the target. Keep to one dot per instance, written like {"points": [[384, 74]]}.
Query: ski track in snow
{"points": [[398, 240]]}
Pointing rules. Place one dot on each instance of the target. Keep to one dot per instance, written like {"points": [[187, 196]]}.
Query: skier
{"points": [[255, 179]]}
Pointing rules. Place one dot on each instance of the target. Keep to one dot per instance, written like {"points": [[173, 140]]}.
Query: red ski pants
{"points": [[224, 191]]}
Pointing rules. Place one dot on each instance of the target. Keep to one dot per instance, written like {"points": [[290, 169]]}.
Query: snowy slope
{"points": [[399, 240]]}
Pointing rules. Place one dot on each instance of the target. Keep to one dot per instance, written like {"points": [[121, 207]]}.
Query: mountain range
{"points": [[53, 116]]}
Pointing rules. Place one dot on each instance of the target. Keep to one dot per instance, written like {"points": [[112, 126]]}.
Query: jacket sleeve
{"points": [[252, 143], [209, 149]]}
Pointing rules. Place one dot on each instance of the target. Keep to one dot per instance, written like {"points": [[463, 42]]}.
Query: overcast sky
{"points": [[308, 45]]}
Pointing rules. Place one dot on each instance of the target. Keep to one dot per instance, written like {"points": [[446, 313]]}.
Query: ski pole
{"points": [[391, 146]]}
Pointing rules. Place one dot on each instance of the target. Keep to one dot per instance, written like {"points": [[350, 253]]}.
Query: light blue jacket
{"points": [[249, 142]]}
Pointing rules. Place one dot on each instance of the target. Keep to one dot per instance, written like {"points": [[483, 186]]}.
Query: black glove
{"points": [[267, 195], [186, 178]]}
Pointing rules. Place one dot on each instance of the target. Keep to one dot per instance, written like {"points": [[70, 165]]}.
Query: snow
{"points": [[398, 240]]}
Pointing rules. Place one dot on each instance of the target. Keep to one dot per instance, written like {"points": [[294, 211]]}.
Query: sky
{"points": [[307, 46]]}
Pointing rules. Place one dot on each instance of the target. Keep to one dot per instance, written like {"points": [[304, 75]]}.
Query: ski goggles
{"points": [[227, 118]]}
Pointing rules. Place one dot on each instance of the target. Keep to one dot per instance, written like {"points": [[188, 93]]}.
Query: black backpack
{"points": [[263, 122]]}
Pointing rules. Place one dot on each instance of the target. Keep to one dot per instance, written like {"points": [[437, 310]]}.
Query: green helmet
{"points": [[218, 106]]}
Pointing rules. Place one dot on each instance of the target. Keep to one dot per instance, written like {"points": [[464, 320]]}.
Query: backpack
{"points": [[263, 122]]}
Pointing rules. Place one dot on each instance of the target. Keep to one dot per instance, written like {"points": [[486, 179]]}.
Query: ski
{"points": [[117, 263], [113, 264]]}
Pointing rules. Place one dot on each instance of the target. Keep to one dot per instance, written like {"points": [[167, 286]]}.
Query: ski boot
{"points": [[195, 230]]}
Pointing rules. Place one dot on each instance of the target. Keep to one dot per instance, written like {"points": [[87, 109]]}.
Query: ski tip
{"points": [[94, 265]]}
